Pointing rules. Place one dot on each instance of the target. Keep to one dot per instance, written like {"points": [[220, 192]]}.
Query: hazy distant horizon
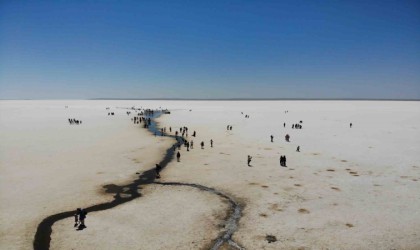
{"points": [[219, 99]]}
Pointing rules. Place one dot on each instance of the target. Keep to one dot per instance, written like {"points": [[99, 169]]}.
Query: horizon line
{"points": [[223, 99]]}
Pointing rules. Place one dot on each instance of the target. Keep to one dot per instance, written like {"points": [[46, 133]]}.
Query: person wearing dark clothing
{"points": [[351, 125], [283, 161], [81, 214], [76, 217], [202, 145], [298, 149], [193, 134], [158, 169], [178, 156], [249, 159], [272, 138], [284, 125], [211, 143]]}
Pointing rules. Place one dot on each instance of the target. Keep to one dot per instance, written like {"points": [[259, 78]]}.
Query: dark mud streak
{"points": [[130, 192]]}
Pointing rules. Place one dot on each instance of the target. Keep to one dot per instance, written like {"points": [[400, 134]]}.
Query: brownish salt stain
{"points": [[303, 211]]}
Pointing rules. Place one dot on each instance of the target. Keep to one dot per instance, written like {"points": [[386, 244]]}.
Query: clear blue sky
{"points": [[212, 49]]}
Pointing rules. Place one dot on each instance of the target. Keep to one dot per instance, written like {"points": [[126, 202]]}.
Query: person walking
{"points": [[211, 143], [157, 170], [249, 160], [272, 137], [178, 156], [82, 217]]}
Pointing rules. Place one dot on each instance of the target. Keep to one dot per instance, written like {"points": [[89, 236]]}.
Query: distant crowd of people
{"points": [[74, 121]]}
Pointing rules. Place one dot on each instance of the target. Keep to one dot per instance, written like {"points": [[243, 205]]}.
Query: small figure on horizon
{"points": [[284, 125], [211, 142], [178, 156], [298, 149], [193, 134], [272, 137], [287, 137], [202, 145], [351, 125], [249, 160]]}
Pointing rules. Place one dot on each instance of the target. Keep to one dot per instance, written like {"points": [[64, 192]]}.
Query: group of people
{"points": [[73, 121], [79, 218], [229, 127], [296, 126], [140, 119], [283, 160]]}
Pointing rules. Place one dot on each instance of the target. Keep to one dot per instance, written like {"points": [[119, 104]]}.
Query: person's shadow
{"points": [[81, 227]]}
